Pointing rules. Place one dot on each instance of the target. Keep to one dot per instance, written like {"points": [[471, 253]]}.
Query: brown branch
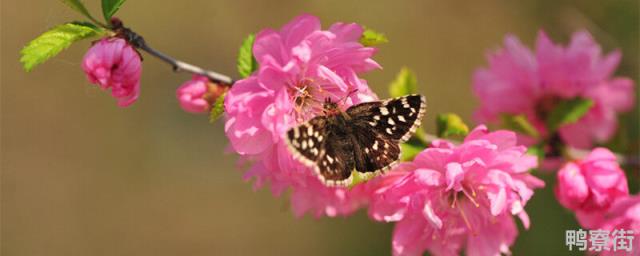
{"points": [[631, 161], [178, 65], [572, 153]]}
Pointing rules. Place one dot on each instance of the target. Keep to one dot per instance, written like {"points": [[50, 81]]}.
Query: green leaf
{"points": [[370, 38], [247, 63], [410, 149], [405, 83], [218, 108], [567, 112], [538, 151], [78, 6], [520, 124], [450, 124], [110, 7], [52, 42], [357, 179]]}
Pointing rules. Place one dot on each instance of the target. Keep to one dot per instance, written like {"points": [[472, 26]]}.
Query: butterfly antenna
{"points": [[344, 99]]}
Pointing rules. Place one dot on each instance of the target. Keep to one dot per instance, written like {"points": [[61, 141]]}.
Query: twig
{"points": [[632, 161], [139, 42], [183, 66], [572, 153]]}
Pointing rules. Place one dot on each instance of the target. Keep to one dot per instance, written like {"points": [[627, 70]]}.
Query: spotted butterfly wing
{"points": [[365, 137], [379, 128], [321, 144]]}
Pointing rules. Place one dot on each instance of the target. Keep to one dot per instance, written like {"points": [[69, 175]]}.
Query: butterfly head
{"points": [[330, 107]]}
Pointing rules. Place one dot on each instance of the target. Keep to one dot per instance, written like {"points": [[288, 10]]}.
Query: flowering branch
{"points": [[139, 42], [453, 173]]}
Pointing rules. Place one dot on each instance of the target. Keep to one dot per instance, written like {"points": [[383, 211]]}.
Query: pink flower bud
{"points": [[593, 183], [113, 64], [198, 94]]}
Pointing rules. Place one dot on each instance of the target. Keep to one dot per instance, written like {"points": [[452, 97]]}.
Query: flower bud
{"points": [[199, 94], [112, 63]]}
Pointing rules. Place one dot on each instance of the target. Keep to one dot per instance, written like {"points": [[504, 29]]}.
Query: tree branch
{"points": [[573, 153], [183, 66], [177, 65], [631, 161]]}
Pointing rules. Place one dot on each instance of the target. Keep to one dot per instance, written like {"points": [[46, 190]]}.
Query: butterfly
{"points": [[366, 137]]}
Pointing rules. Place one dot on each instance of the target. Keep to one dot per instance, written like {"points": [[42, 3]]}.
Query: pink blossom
{"points": [[623, 215], [452, 197], [112, 63], [519, 81], [299, 66], [198, 94], [592, 183], [589, 186]]}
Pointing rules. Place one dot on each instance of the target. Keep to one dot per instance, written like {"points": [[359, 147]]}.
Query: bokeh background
{"points": [[81, 176]]}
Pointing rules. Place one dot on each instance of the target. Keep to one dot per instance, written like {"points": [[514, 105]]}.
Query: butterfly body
{"points": [[364, 138]]}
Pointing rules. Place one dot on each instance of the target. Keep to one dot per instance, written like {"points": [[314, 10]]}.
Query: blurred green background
{"points": [[81, 176]]}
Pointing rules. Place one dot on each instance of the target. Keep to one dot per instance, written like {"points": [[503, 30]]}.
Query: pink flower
{"points": [[592, 183], [519, 81], [299, 66], [198, 94], [623, 215], [452, 197], [113, 64]]}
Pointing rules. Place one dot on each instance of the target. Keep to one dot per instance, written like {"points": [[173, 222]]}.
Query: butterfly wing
{"points": [[305, 141], [369, 141], [379, 127], [324, 147], [396, 119], [374, 153], [337, 162]]}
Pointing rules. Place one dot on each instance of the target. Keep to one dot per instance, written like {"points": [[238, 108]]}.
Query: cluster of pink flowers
{"points": [[452, 197], [112, 63], [519, 81], [299, 66]]}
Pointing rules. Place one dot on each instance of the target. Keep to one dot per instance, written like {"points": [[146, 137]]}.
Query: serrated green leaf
{"points": [[520, 124], [78, 6], [52, 42], [370, 38], [404, 84], [110, 7], [218, 108], [450, 124], [567, 112], [247, 63]]}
